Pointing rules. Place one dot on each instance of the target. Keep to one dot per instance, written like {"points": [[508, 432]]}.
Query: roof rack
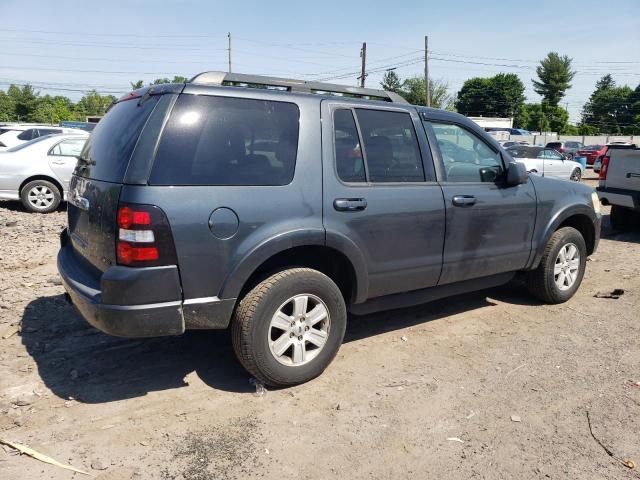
{"points": [[290, 85]]}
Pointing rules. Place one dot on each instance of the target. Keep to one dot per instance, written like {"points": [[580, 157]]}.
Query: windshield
{"points": [[592, 148]]}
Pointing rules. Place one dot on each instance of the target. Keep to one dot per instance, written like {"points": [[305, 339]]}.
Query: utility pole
{"points": [[363, 56], [426, 71], [229, 50]]}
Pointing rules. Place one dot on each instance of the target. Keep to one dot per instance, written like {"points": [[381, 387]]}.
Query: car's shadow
{"points": [[630, 236], [77, 361], [16, 206]]}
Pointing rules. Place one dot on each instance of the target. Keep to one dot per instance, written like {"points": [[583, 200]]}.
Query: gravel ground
{"points": [[488, 385]]}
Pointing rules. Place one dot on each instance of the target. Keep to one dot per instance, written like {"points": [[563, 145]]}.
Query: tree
{"points": [[499, 96], [176, 79], [24, 100], [391, 82], [555, 75], [7, 107], [611, 109], [53, 110], [413, 91], [94, 104], [137, 85]]}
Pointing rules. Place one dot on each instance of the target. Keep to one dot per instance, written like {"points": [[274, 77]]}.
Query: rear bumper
{"points": [[619, 197], [136, 302]]}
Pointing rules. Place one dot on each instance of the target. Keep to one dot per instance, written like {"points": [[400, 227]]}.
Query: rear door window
{"points": [[68, 148], [212, 140], [106, 154], [349, 161], [390, 146]]}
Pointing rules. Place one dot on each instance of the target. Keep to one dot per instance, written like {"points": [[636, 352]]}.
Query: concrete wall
{"points": [[585, 139]]}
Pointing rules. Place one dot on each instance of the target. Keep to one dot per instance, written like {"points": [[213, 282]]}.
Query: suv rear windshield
{"points": [[554, 145], [212, 140], [106, 154]]}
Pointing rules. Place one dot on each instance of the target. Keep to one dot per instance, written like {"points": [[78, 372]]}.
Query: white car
{"points": [[15, 134], [546, 162], [38, 172]]}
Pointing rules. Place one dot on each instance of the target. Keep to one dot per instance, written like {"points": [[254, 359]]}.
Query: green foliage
{"points": [[542, 117], [555, 75], [137, 85], [24, 101], [413, 91], [391, 82], [613, 109], [499, 96], [94, 104], [7, 107]]}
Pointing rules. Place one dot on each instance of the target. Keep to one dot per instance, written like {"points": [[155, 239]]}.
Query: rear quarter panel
{"points": [[271, 218]]}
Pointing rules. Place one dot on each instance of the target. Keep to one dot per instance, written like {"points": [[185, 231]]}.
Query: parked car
{"points": [[619, 185], [510, 131], [546, 162], [276, 210], [567, 148], [511, 143], [592, 152], [38, 172], [17, 134]]}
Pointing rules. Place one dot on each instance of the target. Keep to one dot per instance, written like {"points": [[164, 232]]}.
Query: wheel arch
{"points": [[343, 265], [579, 217], [42, 177]]}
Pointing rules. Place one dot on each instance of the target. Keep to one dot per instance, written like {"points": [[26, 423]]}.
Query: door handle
{"points": [[464, 200], [349, 204]]}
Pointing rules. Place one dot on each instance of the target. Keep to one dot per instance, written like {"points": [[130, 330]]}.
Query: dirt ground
{"points": [[489, 385]]}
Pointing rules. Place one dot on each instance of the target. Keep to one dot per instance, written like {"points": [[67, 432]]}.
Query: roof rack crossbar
{"points": [[291, 85]]}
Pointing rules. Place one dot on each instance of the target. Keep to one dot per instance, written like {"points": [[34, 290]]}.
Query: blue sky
{"points": [[73, 45]]}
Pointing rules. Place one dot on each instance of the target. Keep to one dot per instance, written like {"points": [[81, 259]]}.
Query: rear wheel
{"points": [[40, 196], [576, 175], [289, 327], [561, 268]]}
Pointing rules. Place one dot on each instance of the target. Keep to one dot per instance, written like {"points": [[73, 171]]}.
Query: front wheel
{"points": [[561, 268], [576, 175], [289, 327]]}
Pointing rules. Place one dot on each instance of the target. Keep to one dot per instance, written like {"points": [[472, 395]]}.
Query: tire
{"points": [[620, 218], [542, 283], [576, 175], [256, 340], [40, 196]]}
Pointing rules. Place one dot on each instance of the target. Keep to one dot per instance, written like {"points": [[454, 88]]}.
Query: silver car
{"points": [[38, 172], [546, 162]]}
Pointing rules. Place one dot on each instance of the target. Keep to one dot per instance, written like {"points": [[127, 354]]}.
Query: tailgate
{"points": [[95, 186], [624, 170]]}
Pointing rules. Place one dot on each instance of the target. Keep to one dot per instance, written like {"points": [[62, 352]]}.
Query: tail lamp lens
{"points": [[603, 168], [144, 237]]}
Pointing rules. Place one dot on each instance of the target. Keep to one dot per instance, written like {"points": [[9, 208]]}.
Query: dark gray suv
{"points": [[276, 206]]}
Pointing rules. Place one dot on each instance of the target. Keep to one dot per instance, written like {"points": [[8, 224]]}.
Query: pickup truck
{"points": [[619, 185]]}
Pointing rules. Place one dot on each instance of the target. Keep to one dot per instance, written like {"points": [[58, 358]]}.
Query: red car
{"points": [[592, 152]]}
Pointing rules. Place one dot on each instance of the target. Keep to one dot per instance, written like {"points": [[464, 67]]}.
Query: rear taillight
{"points": [[561, 149], [604, 167], [144, 237]]}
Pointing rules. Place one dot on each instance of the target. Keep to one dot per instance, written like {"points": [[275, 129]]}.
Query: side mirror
{"points": [[516, 174]]}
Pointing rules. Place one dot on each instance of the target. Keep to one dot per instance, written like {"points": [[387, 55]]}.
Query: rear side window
{"points": [[47, 131], [68, 148], [28, 134], [390, 145], [106, 154], [212, 140], [349, 161]]}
